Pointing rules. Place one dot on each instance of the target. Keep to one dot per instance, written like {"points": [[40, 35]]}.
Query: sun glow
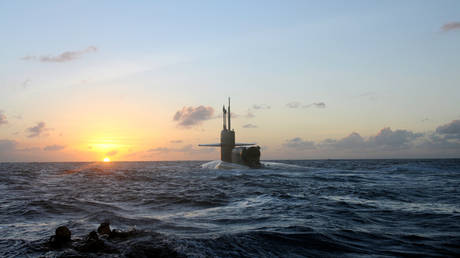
{"points": [[106, 159]]}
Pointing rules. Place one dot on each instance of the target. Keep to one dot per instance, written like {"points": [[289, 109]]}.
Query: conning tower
{"points": [[227, 136], [242, 153]]}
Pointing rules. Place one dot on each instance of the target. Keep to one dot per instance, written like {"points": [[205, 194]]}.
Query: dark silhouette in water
{"points": [[61, 238], [104, 241], [247, 154], [104, 229]]}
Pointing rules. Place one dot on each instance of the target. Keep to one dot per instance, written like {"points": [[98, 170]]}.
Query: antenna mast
{"points": [[229, 123], [224, 112]]}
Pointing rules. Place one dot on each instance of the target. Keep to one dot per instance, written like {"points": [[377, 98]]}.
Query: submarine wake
{"points": [[219, 164]]}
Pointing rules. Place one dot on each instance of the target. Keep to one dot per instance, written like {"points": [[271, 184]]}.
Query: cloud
{"points": [[261, 106], [29, 149], [445, 138], [191, 116], [7, 145], [299, 144], [10, 147], [386, 143], [250, 113], [63, 57], [3, 119], [166, 150], [37, 130], [451, 26], [249, 126], [387, 138], [316, 105], [112, 153], [352, 141], [296, 104], [185, 149], [450, 130], [175, 141], [435, 141], [54, 147], [159, 149]]}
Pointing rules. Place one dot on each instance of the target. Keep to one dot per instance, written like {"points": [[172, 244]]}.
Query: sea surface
{"points": [[307, 208]]}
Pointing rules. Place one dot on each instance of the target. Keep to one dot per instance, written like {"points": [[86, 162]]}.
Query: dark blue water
{"points": [[308, 208]]}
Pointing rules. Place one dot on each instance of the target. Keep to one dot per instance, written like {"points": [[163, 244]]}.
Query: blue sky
{"points": [[373, 64]]}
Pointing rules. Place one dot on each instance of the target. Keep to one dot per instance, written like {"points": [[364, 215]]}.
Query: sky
{"points": [[146, 80]]}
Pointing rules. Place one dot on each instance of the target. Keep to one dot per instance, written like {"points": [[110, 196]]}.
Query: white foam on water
{"points": [[219, 164], [268, 164]]}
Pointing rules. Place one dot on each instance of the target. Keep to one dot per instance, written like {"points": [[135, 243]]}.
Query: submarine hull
{"points": [[248, 156]]}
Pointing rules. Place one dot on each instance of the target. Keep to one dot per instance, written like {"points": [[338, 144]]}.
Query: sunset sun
{"points": [[106, 159]]}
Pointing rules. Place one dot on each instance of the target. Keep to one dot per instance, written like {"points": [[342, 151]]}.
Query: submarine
{"points": [[247, 154]]}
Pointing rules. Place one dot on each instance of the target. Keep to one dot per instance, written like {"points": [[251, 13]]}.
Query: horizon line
{"points": [[121, 161]]}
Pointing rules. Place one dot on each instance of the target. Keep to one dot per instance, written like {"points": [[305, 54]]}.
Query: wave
{"points": [[287, 208]]}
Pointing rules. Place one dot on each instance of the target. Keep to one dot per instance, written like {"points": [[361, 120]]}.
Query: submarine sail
{"points": [[241, 153]]}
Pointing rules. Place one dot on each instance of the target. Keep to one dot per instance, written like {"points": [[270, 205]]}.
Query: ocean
{"points": [[304, 208]]}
